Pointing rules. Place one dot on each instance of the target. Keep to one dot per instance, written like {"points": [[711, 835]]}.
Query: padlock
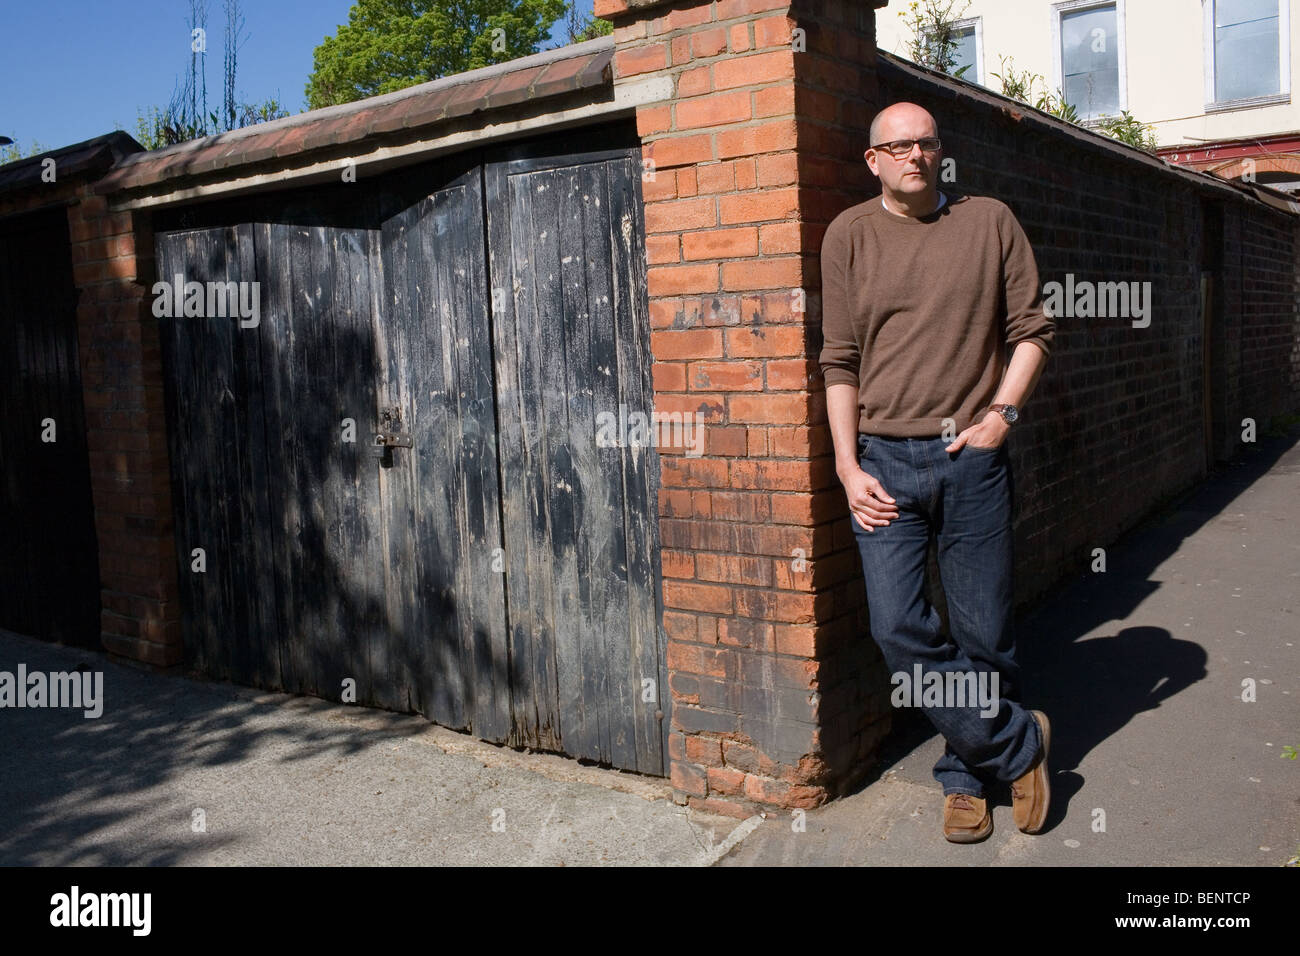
{"points": [[379, 449]]}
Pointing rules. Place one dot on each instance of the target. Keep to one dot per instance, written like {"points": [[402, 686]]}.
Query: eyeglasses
{"points": [[902, 148]]}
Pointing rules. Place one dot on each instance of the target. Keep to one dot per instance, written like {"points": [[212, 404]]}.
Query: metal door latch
{"points": [[390, 434]]}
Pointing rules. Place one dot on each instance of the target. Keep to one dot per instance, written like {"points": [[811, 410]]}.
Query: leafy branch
{"points": [[1128, 129], [934, 34], [1022, 85]]}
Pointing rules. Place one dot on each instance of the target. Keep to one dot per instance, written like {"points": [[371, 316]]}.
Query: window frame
{"points": [[1121, 51], [1283, 62], [978, 24]]}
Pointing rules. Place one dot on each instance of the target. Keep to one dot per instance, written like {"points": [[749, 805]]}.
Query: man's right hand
{"points": [[870, 504], [868, 500]]}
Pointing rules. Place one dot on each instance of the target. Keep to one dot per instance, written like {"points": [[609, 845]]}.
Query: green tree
{"points": [[388, 45], [579, 27]]}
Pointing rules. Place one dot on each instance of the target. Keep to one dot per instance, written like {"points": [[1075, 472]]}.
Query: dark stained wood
{"points": [[565, 234], [358, 529], [443, 546], [319, 369], [401, 652], [263, 664], [382, 294], [49, 559], [185, 450], [629, 314], [530, 582], [217, 441], [262, 477], [192, 458]]}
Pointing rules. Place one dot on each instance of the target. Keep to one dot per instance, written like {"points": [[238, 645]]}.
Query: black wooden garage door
{"points": [[49, 560], [501, 573]]}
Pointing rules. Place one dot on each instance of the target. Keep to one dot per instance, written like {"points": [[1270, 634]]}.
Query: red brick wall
{"points": [[773, 701], [779, 695], [121, 369], [121, 374]]}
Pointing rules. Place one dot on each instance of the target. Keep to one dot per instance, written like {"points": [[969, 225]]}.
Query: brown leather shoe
{"points": [[966, 819], [1031, 793]]}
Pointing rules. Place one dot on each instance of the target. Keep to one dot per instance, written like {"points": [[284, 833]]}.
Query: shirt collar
{"points": [[942, 200]]}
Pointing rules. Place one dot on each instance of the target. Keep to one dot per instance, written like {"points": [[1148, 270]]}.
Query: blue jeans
{"points": [[965, 499]]}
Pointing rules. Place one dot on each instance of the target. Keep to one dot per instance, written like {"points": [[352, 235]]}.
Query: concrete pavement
{"points": [[285, 780], [1156, 759]]}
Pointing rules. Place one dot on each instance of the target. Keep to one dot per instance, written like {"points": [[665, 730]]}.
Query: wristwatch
{"points": [[1009, 413]]}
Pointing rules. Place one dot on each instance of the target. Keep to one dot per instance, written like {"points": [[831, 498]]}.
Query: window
{"points": [[967, 52], [968, 35], [1089, 57], [1246, 46]]}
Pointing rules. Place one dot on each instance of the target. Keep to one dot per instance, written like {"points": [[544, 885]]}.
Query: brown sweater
{"points": [[919, 314]]}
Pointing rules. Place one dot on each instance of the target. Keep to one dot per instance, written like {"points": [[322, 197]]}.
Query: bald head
{"points": [[901, 121], [909, 183]]}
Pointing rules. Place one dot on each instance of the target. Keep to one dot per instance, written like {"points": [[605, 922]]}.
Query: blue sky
{"points": [[73, 69]]}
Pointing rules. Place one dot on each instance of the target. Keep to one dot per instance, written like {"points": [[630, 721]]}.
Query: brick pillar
{"points": [[779, 694], [126, 431]]}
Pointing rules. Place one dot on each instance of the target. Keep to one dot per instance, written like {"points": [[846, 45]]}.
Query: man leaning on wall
{"points": [[922, 294]]}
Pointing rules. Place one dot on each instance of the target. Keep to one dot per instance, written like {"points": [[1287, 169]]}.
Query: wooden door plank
{"points": [[457, 327], [357, 485], [428, 409], [646, 641], [279, 360], [330, 592], [483, 563], [196, 477], [257, 477], [176, 347], [363, 396], [403, 653], [588, 496], [536, 701], [20, 441], [618, 687], [597, 545]]}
